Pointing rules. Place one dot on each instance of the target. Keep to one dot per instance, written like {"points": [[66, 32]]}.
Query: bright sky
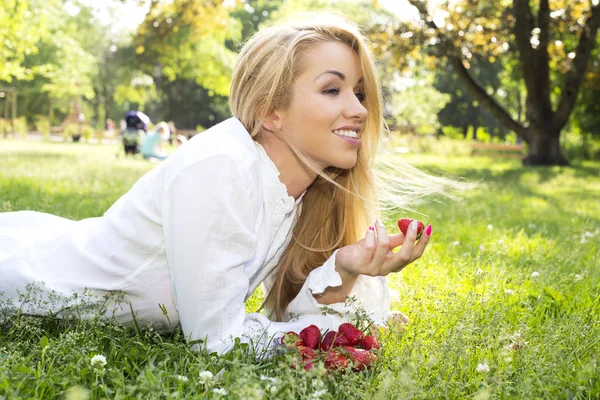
{"points": [[127, 15], [401, 8]]}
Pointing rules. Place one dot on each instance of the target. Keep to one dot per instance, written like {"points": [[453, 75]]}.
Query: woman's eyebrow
{"points": [[337, 73], [334, 72]]}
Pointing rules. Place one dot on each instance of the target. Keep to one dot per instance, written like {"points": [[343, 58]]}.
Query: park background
{"points": [[506, 94]]}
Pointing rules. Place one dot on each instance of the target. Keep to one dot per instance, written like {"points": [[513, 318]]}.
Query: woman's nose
{"points": [[355, 109]]}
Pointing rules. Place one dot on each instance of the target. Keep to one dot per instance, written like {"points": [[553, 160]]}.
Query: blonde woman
{"points": [[281, 193]]}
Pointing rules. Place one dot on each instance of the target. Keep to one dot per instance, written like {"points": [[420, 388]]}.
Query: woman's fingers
{"points": [[382, 248], [366, 254], [396, 240], [421, 244]]}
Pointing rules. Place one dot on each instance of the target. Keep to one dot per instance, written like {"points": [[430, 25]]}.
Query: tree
{"points": [[541, 36], [23, 24]]}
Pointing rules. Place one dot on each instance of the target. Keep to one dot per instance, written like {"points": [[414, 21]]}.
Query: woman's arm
{"points": [[359, 271], [209, 238]]}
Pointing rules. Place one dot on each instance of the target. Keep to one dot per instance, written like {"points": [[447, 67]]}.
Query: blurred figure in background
{"points": [[135, 131], [179, 140], [152, 145], [172, 131]]}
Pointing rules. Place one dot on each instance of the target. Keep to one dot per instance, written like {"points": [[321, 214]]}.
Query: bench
{"points": [[497, 150]]}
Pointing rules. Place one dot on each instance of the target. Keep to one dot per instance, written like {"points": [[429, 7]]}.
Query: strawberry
{"points": [[369, 342], [351, 333], [341, 340], [307, 355], [328, 340], [404, 223], [334, 360], [291, 340], [311, 336], [361, 358]]}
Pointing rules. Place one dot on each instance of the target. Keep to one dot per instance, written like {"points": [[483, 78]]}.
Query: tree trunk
{"points": [[544, 147]]}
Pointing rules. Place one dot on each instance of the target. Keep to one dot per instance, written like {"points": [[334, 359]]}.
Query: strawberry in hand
{"points": [[404, 223]]}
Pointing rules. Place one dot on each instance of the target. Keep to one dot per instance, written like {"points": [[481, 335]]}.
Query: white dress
{"points": [[193, 238]]}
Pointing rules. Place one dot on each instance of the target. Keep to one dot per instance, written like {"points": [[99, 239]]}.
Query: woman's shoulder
{"points": [[227, 144], [228, 139]]}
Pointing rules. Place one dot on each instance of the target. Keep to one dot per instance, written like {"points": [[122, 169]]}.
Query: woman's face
{"points": [[326, 116]]}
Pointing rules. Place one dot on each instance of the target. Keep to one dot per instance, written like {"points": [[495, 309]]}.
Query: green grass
{"points": [[511, 280]]}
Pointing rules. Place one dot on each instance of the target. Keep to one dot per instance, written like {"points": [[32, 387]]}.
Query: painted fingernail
{"points": [[414, 225], [428, 231], [371, 228]]}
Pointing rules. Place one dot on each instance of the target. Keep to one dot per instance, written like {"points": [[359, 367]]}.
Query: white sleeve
{"points": [[371, 294], [209, 237]]}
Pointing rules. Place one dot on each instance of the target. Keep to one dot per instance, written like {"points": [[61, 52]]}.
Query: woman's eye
{"points": [[360, 96], [332, 91]]}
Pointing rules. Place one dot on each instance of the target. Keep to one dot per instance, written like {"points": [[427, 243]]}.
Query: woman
{"points": [[283, 193]]}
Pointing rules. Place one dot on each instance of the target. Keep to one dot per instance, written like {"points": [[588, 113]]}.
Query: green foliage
{"points": [[42, 125], [70, 130], [185, 39], [5, 127], [20, 126], [581, 145], [509, 280], [416, 108], [24, 23]]}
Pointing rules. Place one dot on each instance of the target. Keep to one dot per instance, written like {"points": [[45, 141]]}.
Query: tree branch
{"points": [[473, 87], [522, 31], [575, 74], [543, 64], [486, 101]]}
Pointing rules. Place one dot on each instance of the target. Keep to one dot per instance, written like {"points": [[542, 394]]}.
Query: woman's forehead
{"points": [[328, 59]]}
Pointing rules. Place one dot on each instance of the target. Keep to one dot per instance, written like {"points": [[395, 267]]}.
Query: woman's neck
{"points": [[296, 176]]}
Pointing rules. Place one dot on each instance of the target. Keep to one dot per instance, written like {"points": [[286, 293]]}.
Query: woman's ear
{"points": [[272, 122]]}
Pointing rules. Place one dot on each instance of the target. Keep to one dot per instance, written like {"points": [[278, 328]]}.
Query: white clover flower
{"points": [[219, 391], [478, 271], [456, 243], [98, 361], [535, 274], [205, 377], [509, 291], [517, 342], [578, 277], [490, 227], [501, 241], [182, 378], [318, 394], [271, 389], [483, 368], [481, 247]]}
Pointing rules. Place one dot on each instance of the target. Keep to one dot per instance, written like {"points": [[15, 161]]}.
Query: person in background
{"points": [[152, 145], [172, 131], [132, 136], [179, 140]]}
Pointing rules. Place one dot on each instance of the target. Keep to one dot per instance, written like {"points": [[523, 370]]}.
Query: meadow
{"points": [[505, 303]]}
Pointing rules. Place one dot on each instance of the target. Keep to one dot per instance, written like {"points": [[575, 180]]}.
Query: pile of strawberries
{"points": [[338, 350]]}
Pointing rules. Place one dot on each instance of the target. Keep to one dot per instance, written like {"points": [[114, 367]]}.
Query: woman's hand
{"points": [[373, 255]]}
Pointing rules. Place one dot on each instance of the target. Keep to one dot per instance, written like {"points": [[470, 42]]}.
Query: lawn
{"points": [[504, 304]]}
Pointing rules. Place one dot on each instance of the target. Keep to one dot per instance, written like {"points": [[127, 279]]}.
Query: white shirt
{"points": [[194, 237]]}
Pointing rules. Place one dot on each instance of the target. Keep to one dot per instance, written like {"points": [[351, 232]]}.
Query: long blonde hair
{"points": [[339, 206]]}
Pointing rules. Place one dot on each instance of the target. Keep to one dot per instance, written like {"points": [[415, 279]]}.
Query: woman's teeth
{"points": [[351, 134]]}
